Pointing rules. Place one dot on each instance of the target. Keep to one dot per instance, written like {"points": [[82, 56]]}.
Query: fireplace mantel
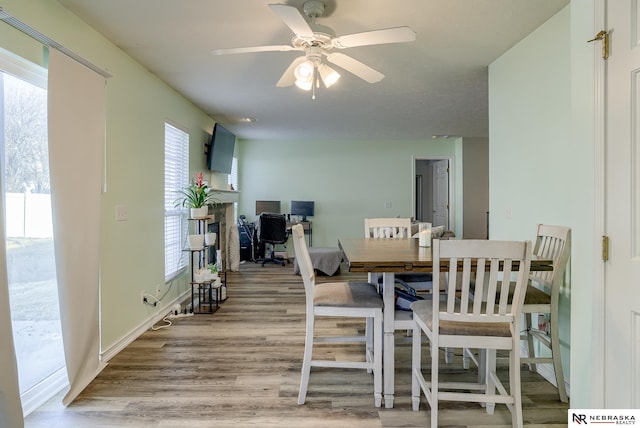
{"points": [[226, 196]]}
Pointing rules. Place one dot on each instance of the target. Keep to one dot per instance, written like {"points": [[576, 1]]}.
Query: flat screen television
{"points": [[302, 208], [220, 154], [267, 207]]}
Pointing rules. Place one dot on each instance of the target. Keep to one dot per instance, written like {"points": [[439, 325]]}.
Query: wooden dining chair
{"points": [[454, 319], [392, 227], [396, 227], [542, 297], [339, 299], [385, 228]]}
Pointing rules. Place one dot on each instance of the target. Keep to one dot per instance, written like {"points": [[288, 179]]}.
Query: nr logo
{"points": [[579, 418]]}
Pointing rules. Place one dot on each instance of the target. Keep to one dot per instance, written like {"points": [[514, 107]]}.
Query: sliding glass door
{"points": [[30, 262]]}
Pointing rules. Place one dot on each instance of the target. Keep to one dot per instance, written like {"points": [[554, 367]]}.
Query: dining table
{"points": [[389, 257]]}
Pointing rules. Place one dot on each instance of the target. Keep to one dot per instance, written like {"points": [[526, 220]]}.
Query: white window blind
{"points": [[233, 181], [176, 177], [233, 177]]}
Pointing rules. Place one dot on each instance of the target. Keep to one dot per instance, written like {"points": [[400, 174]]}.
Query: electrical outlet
{"points": [[158, 291]]}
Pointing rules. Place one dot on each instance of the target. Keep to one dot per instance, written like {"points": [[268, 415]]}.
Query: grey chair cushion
{"points": [[533, 295], [424, 311], [347, 294]]}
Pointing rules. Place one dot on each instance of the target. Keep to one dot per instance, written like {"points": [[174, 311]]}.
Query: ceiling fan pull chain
{"points": [[314, 82]]}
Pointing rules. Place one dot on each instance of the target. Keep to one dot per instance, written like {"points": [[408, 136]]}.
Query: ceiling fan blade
{"points": [[288, 77], [376, 37], [292, 17], [282, 48], [354, 66]]}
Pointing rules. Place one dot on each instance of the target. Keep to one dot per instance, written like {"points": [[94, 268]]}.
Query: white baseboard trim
{"points": [[126, 340], [42, 392]]}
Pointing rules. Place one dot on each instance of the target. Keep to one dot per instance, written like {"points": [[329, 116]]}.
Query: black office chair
{"points": [[272, 229]]}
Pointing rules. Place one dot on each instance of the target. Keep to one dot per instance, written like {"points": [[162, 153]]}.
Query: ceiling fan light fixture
{"points": [[329, 75], [304, 74], [304, 70], [305, 85]]}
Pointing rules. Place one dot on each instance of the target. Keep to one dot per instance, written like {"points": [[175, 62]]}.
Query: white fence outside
{"points": [[28, 215]]}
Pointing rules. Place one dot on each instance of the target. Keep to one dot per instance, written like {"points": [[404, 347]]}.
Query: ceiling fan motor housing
{"points": [[313, 8]]}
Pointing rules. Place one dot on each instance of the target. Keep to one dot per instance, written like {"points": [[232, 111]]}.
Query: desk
{"points": [[390, 256], [306, 226]]}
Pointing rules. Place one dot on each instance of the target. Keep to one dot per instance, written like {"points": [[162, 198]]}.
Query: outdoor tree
{"points": [[25, 127]]}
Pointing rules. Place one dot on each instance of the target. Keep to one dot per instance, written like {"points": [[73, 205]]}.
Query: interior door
{"points": [[622, 207], [441, 193]]}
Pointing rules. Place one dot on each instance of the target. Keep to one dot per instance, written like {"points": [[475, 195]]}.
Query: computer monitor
{"points": [[302, 208], [267, 207]]}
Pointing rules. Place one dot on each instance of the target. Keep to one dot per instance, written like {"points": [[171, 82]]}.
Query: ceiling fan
{"points": [[318, 41]]}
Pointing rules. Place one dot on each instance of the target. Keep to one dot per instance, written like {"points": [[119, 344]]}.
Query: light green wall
{"points": [[137, 105], [581, 195], [348, 180], [541, 162]]}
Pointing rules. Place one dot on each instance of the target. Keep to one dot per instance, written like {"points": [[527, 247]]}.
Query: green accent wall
{"points": [[348, 180], [137, 105], [541, 157]]}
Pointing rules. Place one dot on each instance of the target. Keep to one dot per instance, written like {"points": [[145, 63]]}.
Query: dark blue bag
{"points": [[405, 295]]}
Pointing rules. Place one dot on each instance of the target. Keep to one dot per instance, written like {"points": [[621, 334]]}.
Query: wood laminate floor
{"points": [[240, 367]]}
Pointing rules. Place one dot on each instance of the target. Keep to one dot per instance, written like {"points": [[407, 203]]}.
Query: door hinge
{"points": [[605, 248], [604, 36]]}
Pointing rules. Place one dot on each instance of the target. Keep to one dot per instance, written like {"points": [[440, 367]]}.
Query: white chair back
{"points": [[387, 227], [478, 267], [552, 242], [304, 262]]}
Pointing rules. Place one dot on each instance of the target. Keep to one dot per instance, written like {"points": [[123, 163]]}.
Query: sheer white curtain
{"points": [[76, 139], [10, 405]]}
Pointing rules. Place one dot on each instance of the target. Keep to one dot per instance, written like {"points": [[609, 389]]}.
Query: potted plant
{"points": [[197, 196], [214, 271]]}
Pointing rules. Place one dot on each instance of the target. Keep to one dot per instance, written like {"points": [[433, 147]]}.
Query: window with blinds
{"points": [[233, 177], [176, 177], [233, 181]]}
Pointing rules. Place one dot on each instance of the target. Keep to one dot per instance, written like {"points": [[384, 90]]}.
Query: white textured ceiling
{"points": [[436, 85]]}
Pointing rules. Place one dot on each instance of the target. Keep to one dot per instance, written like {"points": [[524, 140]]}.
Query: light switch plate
{"points": [[122, 212]]}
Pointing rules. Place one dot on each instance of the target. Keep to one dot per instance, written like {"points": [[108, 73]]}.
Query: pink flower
{"points": [[199, 180]]}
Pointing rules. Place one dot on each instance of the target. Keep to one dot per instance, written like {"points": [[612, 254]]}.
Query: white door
{"points": [[441, 193], [622, 207]]}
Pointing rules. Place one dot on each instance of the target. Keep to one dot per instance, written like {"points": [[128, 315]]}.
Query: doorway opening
{"points": [[432, 191]]}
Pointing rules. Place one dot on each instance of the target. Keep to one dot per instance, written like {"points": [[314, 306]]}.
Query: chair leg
{"points": [[369, 328], [465, 358], [306, 360], [377, 358], [272, 258], [490, 386], [530, 349], [557, 360], [448, 355], [416, 367], [434, 391], [515, 387]]}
